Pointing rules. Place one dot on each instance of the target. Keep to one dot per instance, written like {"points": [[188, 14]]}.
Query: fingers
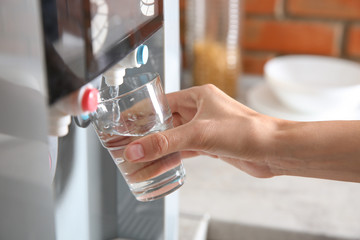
{"points": [[183, 105], [178, 99], [160, 144], [187, 134], [189, 154]]}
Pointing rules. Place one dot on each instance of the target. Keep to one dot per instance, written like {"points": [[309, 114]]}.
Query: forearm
{"points": [[329, 150]]}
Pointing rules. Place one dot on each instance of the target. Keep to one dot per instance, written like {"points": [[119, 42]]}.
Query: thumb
{"points": [[159, 144]]}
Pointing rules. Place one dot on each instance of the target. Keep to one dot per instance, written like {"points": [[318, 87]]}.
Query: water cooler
{"points": [[67, 187]]}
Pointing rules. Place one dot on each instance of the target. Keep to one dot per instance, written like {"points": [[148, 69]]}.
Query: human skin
{"points": [[208, 122]]}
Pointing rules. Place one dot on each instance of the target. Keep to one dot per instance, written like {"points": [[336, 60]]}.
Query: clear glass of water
{"points": [[127, 112]]}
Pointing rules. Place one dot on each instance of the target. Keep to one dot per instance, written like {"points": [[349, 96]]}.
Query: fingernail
{"points": [[134, 152]]}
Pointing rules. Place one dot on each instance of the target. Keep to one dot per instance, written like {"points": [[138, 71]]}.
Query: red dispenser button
{"points": [[89, 100]]}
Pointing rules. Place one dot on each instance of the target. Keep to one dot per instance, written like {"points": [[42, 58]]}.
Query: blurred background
{"points": [[227, 43], [270, 28]]}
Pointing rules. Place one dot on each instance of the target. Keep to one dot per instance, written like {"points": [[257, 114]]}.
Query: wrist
{"points": [[327, 149], [275, 146]]}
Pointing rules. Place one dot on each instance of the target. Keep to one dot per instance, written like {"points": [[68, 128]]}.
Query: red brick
{"points": [[353, 44], [266, 7], [253, 63], [340, 9], [291, 36], [183, 4]]}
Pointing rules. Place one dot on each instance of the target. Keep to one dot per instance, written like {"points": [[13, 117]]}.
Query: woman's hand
{"points": [[208, 122]]}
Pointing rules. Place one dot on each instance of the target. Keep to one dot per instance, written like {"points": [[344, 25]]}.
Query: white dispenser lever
{"points": [[135, 59]]}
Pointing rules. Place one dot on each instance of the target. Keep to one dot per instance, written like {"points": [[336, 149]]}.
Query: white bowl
{"points": [[308, 83], [261, 99]]}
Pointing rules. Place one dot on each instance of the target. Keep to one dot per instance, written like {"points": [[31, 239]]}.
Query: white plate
{"points": [[261, 99]]}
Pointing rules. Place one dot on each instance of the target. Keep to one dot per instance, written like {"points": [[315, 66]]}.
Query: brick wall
{"points": [[278, 27]]}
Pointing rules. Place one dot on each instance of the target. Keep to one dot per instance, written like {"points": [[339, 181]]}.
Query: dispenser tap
{"points": [[138, 57], [82, 101]]}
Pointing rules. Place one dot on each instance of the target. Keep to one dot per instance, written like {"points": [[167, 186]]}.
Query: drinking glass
{"points": [[136, 108]]}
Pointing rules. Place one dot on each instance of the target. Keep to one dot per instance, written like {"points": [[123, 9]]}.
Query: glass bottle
{"points": [[213, 42]]}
